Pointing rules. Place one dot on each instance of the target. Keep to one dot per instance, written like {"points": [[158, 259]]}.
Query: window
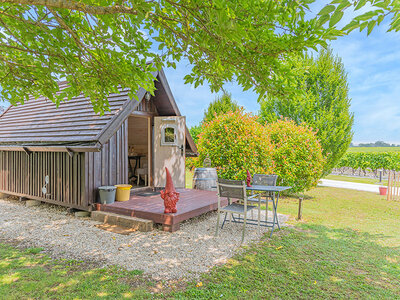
{"points": [[168, 135]]}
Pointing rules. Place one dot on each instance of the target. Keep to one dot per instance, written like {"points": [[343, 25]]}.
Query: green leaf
{"points": [[371, 26], [327, 10], [336, 17], [360, 4]]}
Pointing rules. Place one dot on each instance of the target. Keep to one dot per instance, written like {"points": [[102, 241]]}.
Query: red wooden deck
{"points": [[192, 203]]}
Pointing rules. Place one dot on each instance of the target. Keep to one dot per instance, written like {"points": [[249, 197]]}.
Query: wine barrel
{"points": [[205, 179]]}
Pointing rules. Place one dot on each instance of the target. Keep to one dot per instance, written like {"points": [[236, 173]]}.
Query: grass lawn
{"points": [[373, 149], [347, 246], [356, 179], [189, 179]]}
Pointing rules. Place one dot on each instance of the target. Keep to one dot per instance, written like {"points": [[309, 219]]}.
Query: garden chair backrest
{"points": [[235, 189], [262, 179]]}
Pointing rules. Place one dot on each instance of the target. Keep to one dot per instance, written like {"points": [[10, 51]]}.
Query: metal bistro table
{"points": [[274, 191]]}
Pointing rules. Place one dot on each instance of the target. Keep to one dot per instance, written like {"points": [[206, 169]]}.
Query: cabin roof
{"points": [[39, 125]]}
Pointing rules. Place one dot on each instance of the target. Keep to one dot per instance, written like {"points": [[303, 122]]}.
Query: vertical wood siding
{"points": [[109, 166], [24, 175]]}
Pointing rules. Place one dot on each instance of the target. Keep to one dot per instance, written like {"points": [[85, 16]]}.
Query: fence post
{"points": [[299, 213]]}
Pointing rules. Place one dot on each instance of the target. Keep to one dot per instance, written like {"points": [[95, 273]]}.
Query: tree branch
{"points": [[77, 6]]}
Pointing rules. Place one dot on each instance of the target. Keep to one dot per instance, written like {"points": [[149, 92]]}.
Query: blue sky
{"points": [[373, 66]]}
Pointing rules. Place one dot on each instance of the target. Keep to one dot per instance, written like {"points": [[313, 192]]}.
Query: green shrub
{"points": [[297, 155], [236, 142], [324, 105], [191, 163]]}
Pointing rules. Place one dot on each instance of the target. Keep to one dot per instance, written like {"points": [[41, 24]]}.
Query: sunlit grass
{"points": [[346, 246], [189, 179], [29, 274], [344, 208]]}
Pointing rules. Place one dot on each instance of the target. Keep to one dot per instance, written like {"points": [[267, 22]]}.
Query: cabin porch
{"points": [[150, 206]]}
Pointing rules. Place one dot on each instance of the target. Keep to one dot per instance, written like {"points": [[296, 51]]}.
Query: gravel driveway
{"points": [[180, 255]]}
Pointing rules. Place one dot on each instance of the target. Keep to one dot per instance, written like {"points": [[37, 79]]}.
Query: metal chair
{"points": [[233, 189], [263, 179]]}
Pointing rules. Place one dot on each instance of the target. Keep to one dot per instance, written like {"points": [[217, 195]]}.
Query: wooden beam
{"points": [[143, 114], [70, 151], [26, 150], [53, 148]]}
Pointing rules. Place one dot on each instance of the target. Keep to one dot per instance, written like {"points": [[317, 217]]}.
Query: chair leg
{"points": [[266, 209], [217, 229], [223, 223], [138, 178], [244, 228], [145, 180], [259, 211]]}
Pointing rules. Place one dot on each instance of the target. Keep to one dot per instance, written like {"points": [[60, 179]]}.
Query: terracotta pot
{"points": [[383, 190]]}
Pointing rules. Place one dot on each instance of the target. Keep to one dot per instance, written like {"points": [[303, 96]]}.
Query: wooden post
{"points": [[300, 208]]}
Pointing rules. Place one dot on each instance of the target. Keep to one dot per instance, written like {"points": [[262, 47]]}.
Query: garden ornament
{"points": [[248, 179], [169, 195]]}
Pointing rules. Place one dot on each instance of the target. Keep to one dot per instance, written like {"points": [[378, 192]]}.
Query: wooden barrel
{"points": [[205, 179]]}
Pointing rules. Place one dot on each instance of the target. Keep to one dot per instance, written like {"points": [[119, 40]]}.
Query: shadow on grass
{"points": [[308, 261], [30, 274]]}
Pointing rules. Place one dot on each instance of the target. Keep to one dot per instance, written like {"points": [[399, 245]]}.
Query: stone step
{"points": [[123, 221]]}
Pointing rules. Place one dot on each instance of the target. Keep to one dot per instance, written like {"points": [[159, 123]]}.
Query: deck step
{"points": [[123, 221]]}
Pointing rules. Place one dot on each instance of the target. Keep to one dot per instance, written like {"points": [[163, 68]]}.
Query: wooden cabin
{"points": [[62, 155]]}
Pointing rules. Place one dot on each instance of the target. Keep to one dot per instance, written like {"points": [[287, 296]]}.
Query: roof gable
{"points": [[74, 123]]}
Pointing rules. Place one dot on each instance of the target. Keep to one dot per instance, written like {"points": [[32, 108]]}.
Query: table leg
{"points": [[130, 169], [276, 211], [273, 213], [259, 210]]}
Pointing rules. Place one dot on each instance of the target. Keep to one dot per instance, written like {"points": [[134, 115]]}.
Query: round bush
{"points": [[236, 142], [297, 155]]}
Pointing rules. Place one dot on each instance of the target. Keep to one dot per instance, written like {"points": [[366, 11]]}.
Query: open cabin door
{"points": [[169, 150]]}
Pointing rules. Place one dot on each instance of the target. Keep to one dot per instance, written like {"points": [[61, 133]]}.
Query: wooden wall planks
{"points": [[24, 175], [109, 166]]}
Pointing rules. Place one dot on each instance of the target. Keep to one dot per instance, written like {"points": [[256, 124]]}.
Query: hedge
{"points": [[371, 161]]}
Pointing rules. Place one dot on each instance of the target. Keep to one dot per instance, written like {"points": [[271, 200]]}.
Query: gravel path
{"points": [[350, 185], [184, 254]]}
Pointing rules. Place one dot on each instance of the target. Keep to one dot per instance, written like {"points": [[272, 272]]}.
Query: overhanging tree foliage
{"points": [[324, 106], [377, 11], [99, 46]]}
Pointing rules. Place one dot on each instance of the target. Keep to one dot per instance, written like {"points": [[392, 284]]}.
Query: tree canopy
{"points": [[100, 46], [324, 105], [377, 11], [221, 105]]}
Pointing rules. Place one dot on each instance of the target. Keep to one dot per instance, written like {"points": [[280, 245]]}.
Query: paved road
{"points": [[350, 185]]}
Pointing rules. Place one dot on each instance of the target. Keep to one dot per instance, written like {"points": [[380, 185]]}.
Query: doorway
{"points": [[139, 151]]}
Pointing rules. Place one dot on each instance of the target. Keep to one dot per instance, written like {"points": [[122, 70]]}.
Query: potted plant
{"points": [[383, 190]]}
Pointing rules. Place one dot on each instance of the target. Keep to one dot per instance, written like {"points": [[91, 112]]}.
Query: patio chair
{"points": [[233, 189], [263, 179]]}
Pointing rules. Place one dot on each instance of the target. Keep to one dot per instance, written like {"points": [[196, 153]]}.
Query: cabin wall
{"points": [[24, 175], [109, 166]]}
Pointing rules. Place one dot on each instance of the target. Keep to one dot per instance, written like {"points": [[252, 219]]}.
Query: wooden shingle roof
{"points": [[40, 125]]}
